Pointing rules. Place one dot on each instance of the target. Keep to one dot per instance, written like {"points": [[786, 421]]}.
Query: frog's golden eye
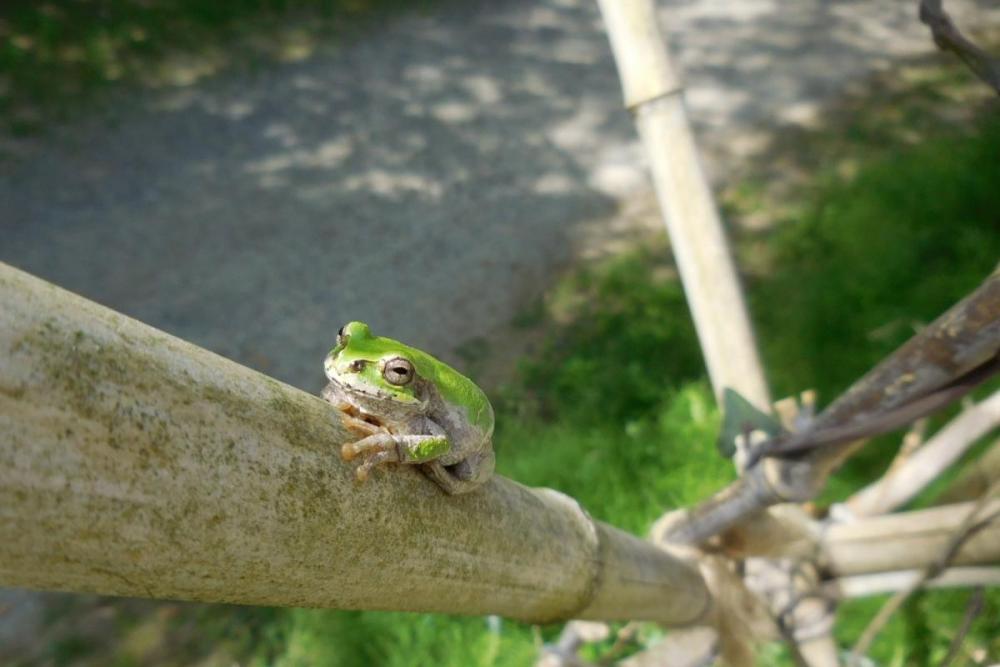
{"points": [[398, 371]]}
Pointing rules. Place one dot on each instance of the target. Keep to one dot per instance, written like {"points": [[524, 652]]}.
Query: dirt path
{"points": [[431, 179]]}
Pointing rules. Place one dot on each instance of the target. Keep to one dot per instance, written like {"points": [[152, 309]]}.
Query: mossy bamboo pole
{"points": [[134, 463], [653, 92]]}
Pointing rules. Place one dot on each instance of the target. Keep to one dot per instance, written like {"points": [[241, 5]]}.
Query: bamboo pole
{"points": [[909, 540], [909, 478], [134, 463], [652, 91], [865, 585]]}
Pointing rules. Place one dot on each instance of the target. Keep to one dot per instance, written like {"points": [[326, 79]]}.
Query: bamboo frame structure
{"points": [[964, 338], [134, 463]]}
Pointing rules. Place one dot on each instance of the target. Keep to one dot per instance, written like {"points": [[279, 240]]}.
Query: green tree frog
{"points": [[408, 407]]}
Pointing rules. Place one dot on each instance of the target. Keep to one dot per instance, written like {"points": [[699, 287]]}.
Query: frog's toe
{"points": [[377, 459], [379, 442]]}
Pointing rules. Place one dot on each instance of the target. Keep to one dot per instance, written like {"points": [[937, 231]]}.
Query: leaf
{"points": [[740, 417]]}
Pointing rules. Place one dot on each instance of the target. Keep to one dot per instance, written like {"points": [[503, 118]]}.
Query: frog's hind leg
{"points": [[464, 476]]}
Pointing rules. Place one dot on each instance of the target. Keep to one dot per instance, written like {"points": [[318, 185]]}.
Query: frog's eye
{"points": [[398, 371]]}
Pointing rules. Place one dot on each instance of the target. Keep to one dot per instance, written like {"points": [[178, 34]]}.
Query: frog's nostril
{"points": [[357, 365]]}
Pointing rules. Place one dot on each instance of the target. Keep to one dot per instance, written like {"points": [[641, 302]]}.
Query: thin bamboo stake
{"points": [[652, 91], [909, 540], [865, 585], [909, 478], [134, 463]]}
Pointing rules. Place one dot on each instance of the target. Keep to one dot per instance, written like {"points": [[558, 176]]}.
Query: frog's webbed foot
{"points": [[384, 447]]}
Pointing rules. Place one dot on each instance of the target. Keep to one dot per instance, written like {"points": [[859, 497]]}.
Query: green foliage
{"points": [[873, 258], [629, 337], [876, 256], [332, 639], [627, 472], [922, 632]]}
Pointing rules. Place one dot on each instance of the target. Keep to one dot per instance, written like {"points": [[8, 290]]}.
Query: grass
{"points": [[55, 54]]}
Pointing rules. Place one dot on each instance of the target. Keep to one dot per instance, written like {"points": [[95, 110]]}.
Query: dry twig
{"points": [[972, 611]]}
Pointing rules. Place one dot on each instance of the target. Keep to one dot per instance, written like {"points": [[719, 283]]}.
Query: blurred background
{"points": [[251, 174]]}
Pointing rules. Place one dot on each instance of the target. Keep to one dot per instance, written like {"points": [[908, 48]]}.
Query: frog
{"points": [[407, 407]]}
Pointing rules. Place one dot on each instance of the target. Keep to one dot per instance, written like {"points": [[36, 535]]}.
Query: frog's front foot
{"points": [[375, 449], [381, 448]]}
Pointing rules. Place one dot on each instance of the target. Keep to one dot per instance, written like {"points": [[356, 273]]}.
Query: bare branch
{"points": [[972, 611], [908, 540], [694, 647], [949, 38], [652, 89]]}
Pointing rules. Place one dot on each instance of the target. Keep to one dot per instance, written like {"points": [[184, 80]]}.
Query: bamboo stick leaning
{"points": [[653, 93]]}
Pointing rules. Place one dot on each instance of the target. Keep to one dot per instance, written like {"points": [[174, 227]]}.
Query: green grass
{"points": [[55, 54]]}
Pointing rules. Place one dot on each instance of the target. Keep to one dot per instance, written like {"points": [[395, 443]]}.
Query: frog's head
{"points": [[372, 367]]}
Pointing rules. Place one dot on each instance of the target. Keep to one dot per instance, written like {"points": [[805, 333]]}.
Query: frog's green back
{"points": [[454, 387]]}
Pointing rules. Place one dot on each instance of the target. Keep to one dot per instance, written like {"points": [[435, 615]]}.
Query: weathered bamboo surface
{"points": [[134, 463], [910, 540]]}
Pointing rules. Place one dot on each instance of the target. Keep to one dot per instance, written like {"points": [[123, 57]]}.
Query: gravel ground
{"points": [[431, 178]]}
